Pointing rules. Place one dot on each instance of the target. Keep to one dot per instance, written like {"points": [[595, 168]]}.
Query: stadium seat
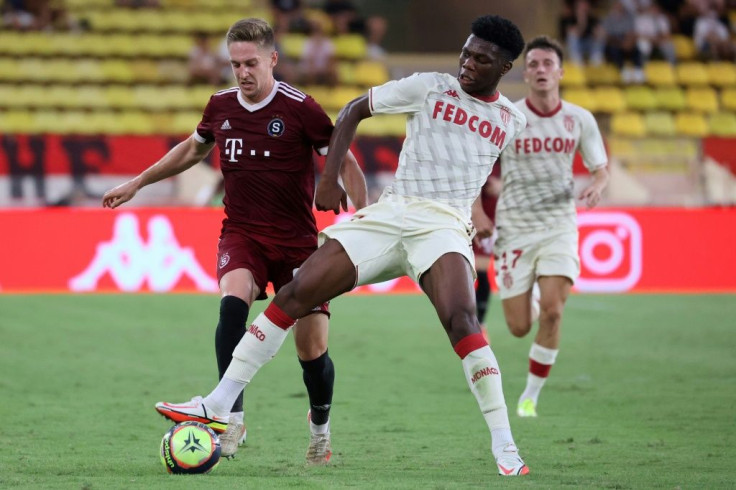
{"points": [[346, 72], [721, 73], [691, 124], [17, 121], [292, 45], [383, 125], [370, 73], [684, 47], [185, 122], [146, 71], [350, 46], [134, 122], [609, 99], [659, 123], [340, 96], [722, 124], [692, 73], [640, 98], [670, 98], [702, 99], [583, 97], [605, 74], [88, 71], [119, 97], [573, 76], [728, 99], [628, 124], [659, 73]]}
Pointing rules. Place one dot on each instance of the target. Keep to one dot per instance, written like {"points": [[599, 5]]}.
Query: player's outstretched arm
{"points": [[330, 196], [178, 159], [592, 194], [354, 181]]}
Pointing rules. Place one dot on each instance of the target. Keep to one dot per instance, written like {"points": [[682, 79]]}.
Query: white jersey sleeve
{"points": [[452, 138], [536, 169]]}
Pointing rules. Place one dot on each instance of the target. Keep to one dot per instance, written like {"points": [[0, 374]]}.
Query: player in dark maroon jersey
{"points": [[266, 132]]}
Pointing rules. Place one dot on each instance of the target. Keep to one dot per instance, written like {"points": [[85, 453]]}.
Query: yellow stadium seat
{"points": [[320, 93], [17, 122], [89, 96], [64, 96], [702, 99], [684, 47], [670, 98], [573, 76], [583, 97], [340, 96], [292, 45], [185, 122], [605, 74], [10, 70], [370, 73], [628, 124], [49, 121], [63, 70], [383, 125], [350, 46], [722, 124], [659, 123], [150, 97], [134, 122], [88, 71], [609, 99], [119, 97], [29, 95], [692, 73], [346, 72], [146, 71], [8, 94], [640, 98], [721, 73], [728, 99], [660, 73], [32, 69], [691, 124]]}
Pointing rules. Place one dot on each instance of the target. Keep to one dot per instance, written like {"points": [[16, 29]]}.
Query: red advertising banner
{"points": [[173, 249]]}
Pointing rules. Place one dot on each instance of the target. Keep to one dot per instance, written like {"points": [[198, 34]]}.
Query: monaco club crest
{"points": [[569, 123], [505, 115]]}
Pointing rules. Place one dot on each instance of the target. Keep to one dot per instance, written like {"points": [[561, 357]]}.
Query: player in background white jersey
{"points": [[536, 216], [421, 225]]}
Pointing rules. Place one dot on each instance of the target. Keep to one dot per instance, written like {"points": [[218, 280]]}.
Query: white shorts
{"points": [[400, 236], [521, 259]]}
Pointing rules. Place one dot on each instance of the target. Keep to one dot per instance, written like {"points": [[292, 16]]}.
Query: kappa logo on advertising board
{"points": [[133, 262]]}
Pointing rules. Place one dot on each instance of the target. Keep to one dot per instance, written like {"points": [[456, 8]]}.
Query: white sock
{"points": [[236, 417], [484, 378], [258, 346], [319, 429], [545, 357]]}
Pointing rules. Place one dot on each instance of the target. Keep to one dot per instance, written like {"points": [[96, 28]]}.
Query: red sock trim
{"points": [[539, 369], [470, 343], [278, 317]]}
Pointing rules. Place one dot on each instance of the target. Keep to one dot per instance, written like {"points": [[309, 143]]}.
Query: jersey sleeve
{"points": [[401, 96], [203, 133], [591, 144], [317, 125]]}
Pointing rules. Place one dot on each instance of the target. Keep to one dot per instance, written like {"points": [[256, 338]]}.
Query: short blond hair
{"points": [[251, 30]]}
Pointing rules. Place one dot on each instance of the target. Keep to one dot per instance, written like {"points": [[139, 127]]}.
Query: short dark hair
{"points": [[251, 30], [547, 43], [501, 32]]}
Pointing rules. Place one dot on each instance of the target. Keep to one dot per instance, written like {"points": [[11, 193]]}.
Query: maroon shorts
{"points": [[267, 262]]}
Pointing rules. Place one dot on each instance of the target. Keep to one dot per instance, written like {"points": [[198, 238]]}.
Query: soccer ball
{"points": [[190, 447]]}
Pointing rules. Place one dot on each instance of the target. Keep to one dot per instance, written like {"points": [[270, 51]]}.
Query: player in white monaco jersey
{"points": [[536, 217], [421, 225]]}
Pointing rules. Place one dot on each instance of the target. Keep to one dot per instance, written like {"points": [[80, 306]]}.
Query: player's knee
{"points": [[550, 314], [519, 327], [460, 323]]}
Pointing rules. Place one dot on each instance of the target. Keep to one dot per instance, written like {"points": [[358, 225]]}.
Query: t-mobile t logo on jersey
{"points": [[233, 148], [131, 261]]}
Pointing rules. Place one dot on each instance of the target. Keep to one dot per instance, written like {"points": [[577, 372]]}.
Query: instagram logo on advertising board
{"points": [[610, 252]]}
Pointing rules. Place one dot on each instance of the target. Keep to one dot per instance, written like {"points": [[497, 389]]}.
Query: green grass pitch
{"points": [[642, 396]]}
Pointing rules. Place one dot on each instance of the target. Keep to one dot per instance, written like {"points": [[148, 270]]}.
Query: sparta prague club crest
{"points": [[224, 259], [276, 127]]}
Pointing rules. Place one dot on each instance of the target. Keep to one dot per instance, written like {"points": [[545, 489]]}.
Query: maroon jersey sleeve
{"points": [[317, 125], [204, 128]]}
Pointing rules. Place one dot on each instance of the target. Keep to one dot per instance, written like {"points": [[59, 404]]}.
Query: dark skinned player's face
{"points": [[481, 66]]}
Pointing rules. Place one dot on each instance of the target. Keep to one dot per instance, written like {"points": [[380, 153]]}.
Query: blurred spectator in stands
{"points": [[653, 34], [582, 33], [288, 16], [621, 47], [317, 64], [35, 15], [205, 64], [711, 37], [346, 19]]}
